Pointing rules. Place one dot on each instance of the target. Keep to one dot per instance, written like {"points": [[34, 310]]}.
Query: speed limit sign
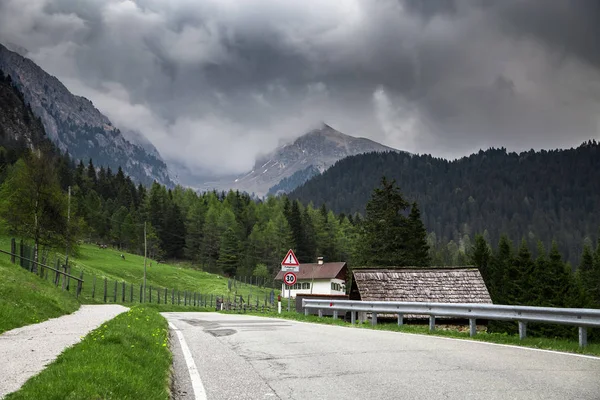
{"points": [[289, 278]]}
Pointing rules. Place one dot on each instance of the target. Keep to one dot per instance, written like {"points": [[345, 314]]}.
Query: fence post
{"points": [[21, 252], [522, 330], [79, 284], [150, 295], [13, 249], [131, 293], [123, 292], [158, 296], [141, 294], [166, 293], [105, 288], [93, 286], [178, 298], [116, 290], [172, 296], [57, 275]]}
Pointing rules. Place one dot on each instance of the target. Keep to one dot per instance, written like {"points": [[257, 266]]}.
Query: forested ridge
{"points": [[536, 195]]}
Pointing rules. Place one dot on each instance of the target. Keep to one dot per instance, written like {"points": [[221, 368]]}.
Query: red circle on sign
{"points": [[289, 278]]}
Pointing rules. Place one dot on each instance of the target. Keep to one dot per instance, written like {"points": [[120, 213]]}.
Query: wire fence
{"points": [[97, 288]]}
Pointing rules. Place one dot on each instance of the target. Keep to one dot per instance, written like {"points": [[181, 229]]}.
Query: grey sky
{"points": [[212, 83]]}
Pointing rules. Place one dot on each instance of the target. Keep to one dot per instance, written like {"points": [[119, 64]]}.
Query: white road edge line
{"points": [[197, 386]]}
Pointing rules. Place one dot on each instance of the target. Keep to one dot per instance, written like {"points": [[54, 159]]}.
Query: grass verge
{"points": [[98, 264], [27, 299], [564, 345], [126, 358]]}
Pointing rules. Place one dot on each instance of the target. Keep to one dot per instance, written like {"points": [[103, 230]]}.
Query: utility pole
{"points": [[145, 253], [67, 270], [68, 227]]}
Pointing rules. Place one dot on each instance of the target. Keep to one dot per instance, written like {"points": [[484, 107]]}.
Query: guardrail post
{"points": [[522, 330], [582, 336], [320, 313], [335, 314], [374, 319], [432, 322], [400, 319], [472, 327], [352, 317], [306, 311]]}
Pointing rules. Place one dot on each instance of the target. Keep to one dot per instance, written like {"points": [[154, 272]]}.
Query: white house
{"points": [[317, 278]]}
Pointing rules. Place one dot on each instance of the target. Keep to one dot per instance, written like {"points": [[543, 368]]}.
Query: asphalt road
{"points": [[247, 357]]}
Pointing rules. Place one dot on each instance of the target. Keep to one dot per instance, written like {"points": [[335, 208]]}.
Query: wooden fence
{"points": [[44, 269], [101, 289]]}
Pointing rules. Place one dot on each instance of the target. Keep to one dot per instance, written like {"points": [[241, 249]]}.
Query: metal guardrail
{"points": [[581, 317]]}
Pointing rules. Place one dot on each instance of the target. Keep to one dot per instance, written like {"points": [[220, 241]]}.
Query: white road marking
{"points": [[197, 386]]}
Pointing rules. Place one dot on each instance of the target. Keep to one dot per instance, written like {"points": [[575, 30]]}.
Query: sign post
{"points": [[290, 279], [290, 265]]}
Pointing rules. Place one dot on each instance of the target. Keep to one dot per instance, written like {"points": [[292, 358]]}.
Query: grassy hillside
{"points": [[98, 264], [27, 299]]}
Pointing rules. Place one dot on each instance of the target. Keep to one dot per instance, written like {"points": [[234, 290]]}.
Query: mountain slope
{"points": [[76, 126], [19, 128], [541, 195], [311, 153]]}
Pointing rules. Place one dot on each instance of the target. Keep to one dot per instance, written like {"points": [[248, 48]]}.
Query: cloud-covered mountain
{"points": [[292, 164], [75, 125]]}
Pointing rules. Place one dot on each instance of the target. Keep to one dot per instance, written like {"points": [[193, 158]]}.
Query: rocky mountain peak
{"points": [[75, 125]]}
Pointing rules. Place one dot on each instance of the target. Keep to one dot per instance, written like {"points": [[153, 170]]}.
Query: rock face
{"points": [[293, 164], [18, 125], [75, 125]]}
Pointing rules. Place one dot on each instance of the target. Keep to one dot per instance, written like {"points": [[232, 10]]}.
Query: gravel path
{"points": [[27, 350]]}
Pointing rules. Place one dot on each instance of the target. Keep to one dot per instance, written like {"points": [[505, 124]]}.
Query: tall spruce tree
{"points": [[416, 239], [385, 227], [480, 255]]}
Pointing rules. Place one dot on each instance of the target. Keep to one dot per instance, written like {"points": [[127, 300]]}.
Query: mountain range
{"points": [[77, 127], [292, 164]]}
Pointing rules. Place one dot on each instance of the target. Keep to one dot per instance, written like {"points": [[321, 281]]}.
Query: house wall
{"points": [[321, 286]]}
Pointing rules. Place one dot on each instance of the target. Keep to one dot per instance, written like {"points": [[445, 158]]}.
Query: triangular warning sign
{"points": [[290, 260]]}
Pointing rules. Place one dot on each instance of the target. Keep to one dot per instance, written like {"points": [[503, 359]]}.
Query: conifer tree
{"points": [[384, 227], [480, 256], [416, 239]]}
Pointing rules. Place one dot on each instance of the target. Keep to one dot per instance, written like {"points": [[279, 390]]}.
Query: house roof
{"points": [[437, 285], [316, 271]]}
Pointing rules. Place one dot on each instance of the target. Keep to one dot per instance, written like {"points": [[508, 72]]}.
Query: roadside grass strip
{"points": [[126, 358], [27, 299], [555, 344]]}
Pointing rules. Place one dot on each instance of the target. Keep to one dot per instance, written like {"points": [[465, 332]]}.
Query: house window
{"points": [[306, 285], [297, 286]]}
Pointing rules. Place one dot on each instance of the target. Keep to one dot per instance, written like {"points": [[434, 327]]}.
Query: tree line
{"points": [[539, 195]]}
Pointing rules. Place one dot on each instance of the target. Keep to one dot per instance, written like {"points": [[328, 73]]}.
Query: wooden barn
{"points": [[436, 284]]}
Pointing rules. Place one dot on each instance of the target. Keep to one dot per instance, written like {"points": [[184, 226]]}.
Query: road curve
{"points": [[247, 357]]}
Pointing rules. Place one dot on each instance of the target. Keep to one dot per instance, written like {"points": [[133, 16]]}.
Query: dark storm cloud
{"points": [[213, 83]]}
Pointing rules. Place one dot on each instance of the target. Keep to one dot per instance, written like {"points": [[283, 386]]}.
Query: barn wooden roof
{"points": [[316, 271], [438, 285]]}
